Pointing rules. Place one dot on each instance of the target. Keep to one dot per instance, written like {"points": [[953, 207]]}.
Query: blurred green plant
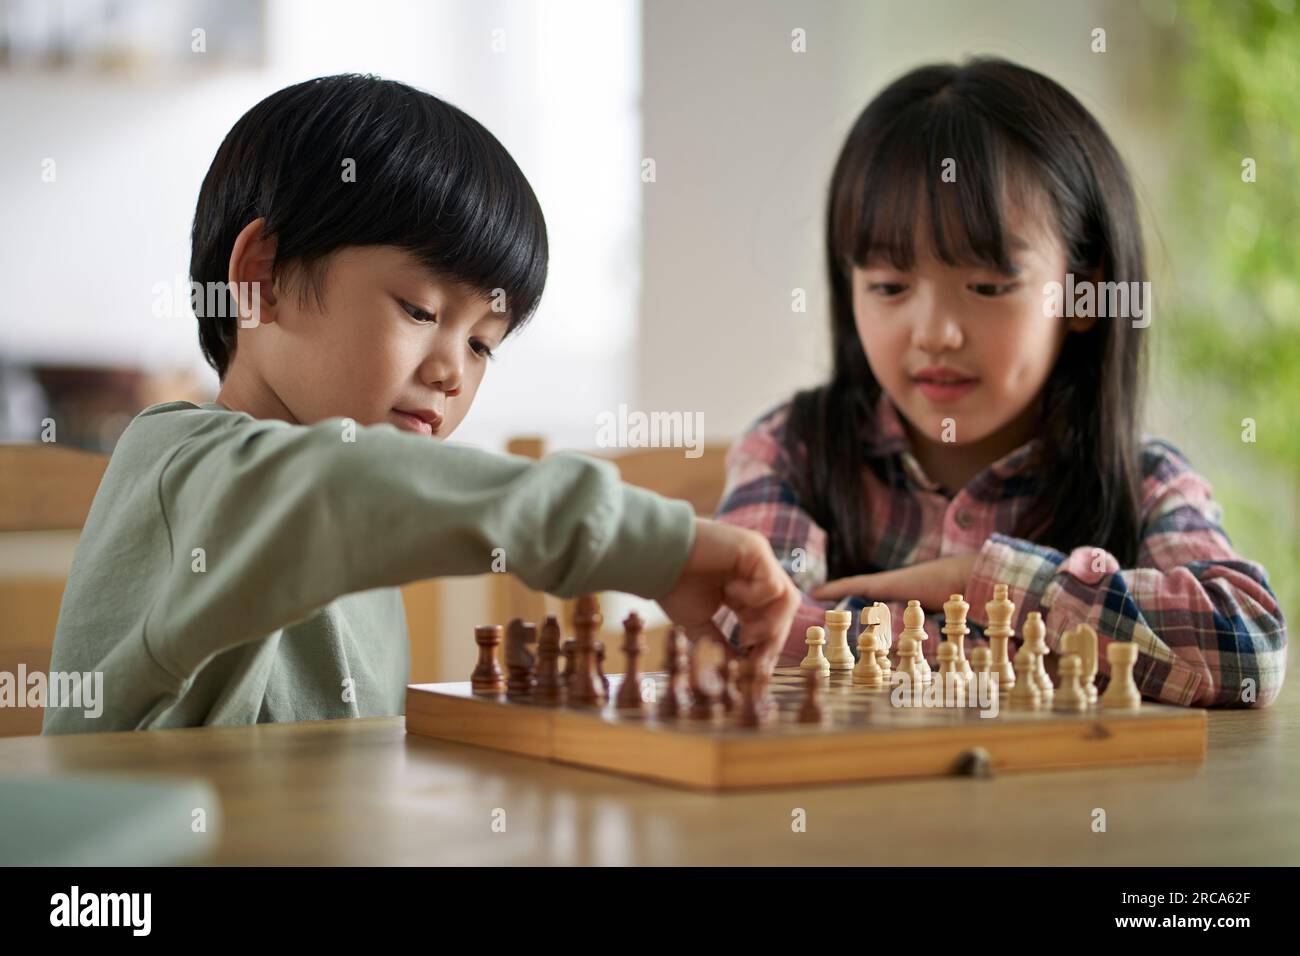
{"points": [[1235, 320]]}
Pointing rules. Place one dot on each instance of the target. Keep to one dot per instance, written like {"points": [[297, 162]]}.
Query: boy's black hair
{"points": [[429, 179]]}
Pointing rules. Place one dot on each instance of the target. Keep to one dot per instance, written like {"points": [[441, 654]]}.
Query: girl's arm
{"points": [[1208, 628]]}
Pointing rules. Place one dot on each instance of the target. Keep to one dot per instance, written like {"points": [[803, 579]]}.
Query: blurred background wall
{"points": [[673, 294]]}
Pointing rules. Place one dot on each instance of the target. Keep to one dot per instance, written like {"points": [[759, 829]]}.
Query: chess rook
{"points": [[837, 640], [487, 677]]}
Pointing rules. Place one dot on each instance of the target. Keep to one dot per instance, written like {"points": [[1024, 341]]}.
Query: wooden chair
{"points": [[665, 471], [45, 495]]}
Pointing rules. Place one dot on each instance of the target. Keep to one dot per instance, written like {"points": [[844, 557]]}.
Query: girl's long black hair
{"points": [[1015, 135]]}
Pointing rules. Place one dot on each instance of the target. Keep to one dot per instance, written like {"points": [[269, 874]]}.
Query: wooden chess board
{"points": [[864, 737]]}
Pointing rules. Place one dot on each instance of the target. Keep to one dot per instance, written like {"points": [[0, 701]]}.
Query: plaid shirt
{"points": [[1208, 628]]}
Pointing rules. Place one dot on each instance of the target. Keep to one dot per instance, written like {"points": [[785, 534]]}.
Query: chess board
{"points": [[865, 737]]}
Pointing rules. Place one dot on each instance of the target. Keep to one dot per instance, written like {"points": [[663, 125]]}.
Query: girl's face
{"points": [[963, 352]]}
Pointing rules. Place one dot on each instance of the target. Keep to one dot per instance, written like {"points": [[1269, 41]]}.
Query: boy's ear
{"points": [[251, 262]]}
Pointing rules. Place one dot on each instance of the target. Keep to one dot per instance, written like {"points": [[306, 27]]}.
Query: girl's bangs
{"points": [[941, 167]]}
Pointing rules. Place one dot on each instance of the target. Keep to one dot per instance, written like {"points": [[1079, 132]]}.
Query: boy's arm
{"points": [[291, 517], [1207, 626]]}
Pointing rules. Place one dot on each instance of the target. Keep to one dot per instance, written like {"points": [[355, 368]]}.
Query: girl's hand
{"points": [[736, 567], [930, 582]]}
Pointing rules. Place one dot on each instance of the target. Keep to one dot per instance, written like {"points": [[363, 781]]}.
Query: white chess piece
{"points": [[1024, 693], [815, 661], [1122, 693], [914, 628], [999, 632], [954, 628], [1082, 640], [1070, 695], [981, 659], [1035, 632], [868, 672], [952, 682], [837, 640], [879, 613]]}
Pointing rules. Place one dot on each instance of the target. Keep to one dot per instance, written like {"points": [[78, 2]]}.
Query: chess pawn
{"points": [[815, 661], [867, 672], [487, 677], [1035, 640], [812, 711], [1082, 640], [1024, 693], [882, 659], [999, 632], [914, 628], [1122, 693], [981, 659], [908, 651], [1070, 696], [837, 640], [952, 682], [954, 628]]}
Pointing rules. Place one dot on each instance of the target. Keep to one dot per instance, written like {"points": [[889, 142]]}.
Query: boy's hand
{"points": [[736, 567], [930, 582]]}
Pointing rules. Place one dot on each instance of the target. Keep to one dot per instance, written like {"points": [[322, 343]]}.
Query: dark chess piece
{"points": [[629, 691], [755, 703], [487, 677], [520, 661], [600, 668], [549, 685], [585, 686]]}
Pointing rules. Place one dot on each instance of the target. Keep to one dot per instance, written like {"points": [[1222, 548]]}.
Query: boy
{"points": [[241, 560]]}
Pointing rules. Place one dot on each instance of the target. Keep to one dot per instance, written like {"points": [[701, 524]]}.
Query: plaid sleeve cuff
{"points": [[1027, 569]]}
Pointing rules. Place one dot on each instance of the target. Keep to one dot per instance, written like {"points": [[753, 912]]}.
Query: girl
{"points": [[975, 432]]}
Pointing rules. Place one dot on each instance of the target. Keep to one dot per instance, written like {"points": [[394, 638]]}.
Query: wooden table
{"points": [[363, 792]]}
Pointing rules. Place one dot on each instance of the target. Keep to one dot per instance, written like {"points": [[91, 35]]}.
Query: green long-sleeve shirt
{"points": [[235, 570]]}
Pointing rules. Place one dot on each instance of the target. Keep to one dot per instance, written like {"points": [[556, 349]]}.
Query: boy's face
{"points": [[963, 352], [386, 338]]}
